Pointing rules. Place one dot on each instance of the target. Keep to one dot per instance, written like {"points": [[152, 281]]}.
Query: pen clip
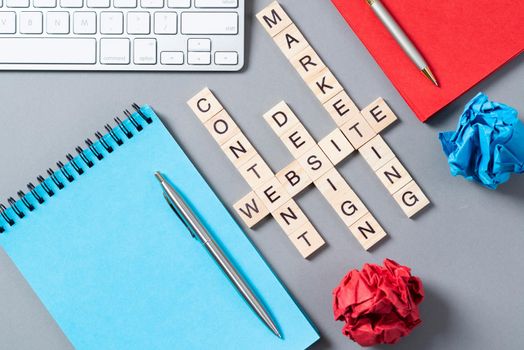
{"points": [[179, 216]]}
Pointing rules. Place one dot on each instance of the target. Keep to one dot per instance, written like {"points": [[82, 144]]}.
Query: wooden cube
{"points": [[255, 171], [272, 194], [336, 146], [298, 140], [222, 127], [290, 217], [294, 178], [411, 199], [274, 19], [349, 207], [368, 231], [251, 209], [325, 85], [379, 115], [393, 175], [332, 185], [358, 131], [307, 240], [291, 41], [376, 152], [341, 108], [238, 149], [307, 63], [281, 118], [315, 163], [205, 105]]}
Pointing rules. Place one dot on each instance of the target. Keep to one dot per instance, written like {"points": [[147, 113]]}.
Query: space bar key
{"points": [[48, 50]]}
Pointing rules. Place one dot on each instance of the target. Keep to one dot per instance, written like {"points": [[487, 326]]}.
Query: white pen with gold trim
{"points": [[402, 39]]}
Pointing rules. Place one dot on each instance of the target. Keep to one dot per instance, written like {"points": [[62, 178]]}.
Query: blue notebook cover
{"points": [[117, 269]]}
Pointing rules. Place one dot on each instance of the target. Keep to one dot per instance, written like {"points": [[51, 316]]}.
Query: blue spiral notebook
{"points": [[117, 270]]}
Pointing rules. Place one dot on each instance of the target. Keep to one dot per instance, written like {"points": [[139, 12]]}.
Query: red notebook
{"points": [[462, 41]]}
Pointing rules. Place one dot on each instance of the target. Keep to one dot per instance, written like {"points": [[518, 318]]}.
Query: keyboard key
{"points": [[57, 23], [84, 23], [199, 58], [31, 22], [17, 3], [209, 23], [165, 23], [44, 3], [144, 51], [7, 23], [226, 58], [125, 4], [172, 57], [199, 45], [98, 3], [179, 3], [152, 4], [114, 51], [216, 4], [111, 22], [138, 23], [71, 3], [48, 50]]}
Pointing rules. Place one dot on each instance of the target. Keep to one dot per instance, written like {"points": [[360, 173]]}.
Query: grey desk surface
{"points": [[467, 247]]}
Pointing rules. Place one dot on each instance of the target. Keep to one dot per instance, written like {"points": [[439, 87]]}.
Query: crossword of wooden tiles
{"points": [[314, 162]]}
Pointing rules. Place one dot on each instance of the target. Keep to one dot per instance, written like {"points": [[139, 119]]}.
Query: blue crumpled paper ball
{"points": [[488, 145]]}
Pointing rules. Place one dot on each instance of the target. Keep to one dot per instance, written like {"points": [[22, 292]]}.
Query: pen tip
{"points": [[159, 176], [429, 74]]}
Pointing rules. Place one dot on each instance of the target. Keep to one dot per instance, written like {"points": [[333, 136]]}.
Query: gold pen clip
{"points": [[179, 216]]}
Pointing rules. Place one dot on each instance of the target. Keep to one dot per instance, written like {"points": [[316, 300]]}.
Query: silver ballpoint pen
{"points": [[198, 231], [402, 39]]}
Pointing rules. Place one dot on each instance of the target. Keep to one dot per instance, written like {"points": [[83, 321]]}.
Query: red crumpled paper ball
{"points": [[379, 304]]}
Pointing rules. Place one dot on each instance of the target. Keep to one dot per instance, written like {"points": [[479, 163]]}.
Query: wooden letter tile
{"points": [[341, 108], [238, 149], [315, 163], [222, 127], [376, 152], [379, 115], [349, 207], [281, 118], [255, 171], [336, 146], [291, 41], [325, 85], [411, 199], [307, 63], [298, 140], [307, 240], [290, 217], [367, 231], [358, 131], [205, 105], [274, 19], [272, 194], [294, 178], [251, 209], [393, 175], [332, 185]]}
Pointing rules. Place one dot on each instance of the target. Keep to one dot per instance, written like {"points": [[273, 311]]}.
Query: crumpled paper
{"points": [[379, 304], [488, 145]]}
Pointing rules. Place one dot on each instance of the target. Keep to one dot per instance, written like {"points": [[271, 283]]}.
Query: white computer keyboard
{"points": [[153, 35]]}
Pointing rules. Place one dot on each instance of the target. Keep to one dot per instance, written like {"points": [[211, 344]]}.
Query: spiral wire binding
{"points": [[74, 164]]}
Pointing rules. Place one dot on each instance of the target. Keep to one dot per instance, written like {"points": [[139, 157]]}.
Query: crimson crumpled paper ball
{"points": [[378, 304]]}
